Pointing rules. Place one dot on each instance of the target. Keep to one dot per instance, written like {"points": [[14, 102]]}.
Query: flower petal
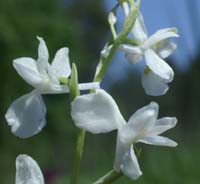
{"points": [[96, 113], [160, 35], [43, 56], [131, 49], [26, 115], [121, 149], [134, 54], [163, 125], [52, 78], [134, 58], [165, 48], [61, 64], [158, 141], [54, 89], [139, 31], [27, 69], [158, 66], [153, 84], [139, 123], [89, 86], [130, 166], [28, 171], [126, 160]]}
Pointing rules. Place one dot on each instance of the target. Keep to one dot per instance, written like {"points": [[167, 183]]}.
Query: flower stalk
{"points": [[108, 178], [128, 24], [78, 155], [74, 92]]}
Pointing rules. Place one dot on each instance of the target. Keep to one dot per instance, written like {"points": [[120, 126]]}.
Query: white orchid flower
{"points": [[157, 73], [98, 113], [27, 114], [28, 171]]}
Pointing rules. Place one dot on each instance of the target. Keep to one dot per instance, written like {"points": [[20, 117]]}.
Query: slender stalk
{"points": [[74, 92], [128, 24], [109, 178], [78, 155]]}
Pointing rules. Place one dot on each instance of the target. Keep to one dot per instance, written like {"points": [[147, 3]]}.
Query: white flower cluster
{"points": [[97, 112], [157, 73], [27, 114]]}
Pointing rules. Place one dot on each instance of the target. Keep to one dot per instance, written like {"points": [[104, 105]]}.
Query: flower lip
{"points": [[153, 84], [158, 66], [26, 115]]}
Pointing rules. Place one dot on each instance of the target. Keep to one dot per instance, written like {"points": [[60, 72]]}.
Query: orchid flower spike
{"points": [[26, 115], [28, 171], [98, 113], [157, 73]]}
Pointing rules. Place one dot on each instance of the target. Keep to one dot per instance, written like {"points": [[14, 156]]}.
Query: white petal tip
{"points": [[156, 94], [175, 144], [15, 61], [158, 141], [172, 144], [135, 177], [175, 30], [174, 121], [21, 157], [39, 38], [66, 49], [154, 105]]}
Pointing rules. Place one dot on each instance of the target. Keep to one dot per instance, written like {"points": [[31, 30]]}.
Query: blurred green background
{"points": [[81, 26]]}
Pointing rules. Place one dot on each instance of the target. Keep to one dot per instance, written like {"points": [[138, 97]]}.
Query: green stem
{"points": [[128, 24], [78, 155], [74, 92], [109, 178]]}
